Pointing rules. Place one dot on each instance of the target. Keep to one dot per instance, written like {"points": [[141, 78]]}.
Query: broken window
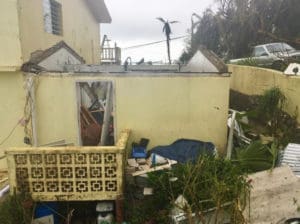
{"points": [[52, 17], [96, 109]]}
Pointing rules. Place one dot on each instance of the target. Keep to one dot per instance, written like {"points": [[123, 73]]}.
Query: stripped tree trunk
{"points": [[168, 48]]}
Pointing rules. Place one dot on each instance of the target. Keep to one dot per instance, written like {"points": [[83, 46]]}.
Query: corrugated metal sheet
{"points": [[291, 157]]}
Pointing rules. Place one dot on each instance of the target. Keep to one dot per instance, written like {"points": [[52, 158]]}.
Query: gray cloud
{"points": [[134, 21]]}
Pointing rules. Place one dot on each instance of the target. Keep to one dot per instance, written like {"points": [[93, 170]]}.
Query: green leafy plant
{"points": [[270, 106], [248, 62], [278, 124], [256, 157], [213, 184], [145, 209], [270, 129], [16, 209], [268, 118]]}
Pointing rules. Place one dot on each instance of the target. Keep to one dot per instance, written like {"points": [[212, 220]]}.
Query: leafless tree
{"points": [[167, 30]]}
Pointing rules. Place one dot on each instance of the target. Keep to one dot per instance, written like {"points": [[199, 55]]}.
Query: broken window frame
{"points": [[79, 104]]}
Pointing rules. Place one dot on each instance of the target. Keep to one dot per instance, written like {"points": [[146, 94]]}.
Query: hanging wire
{"points": [[26, 119], [31, 82], [10, 133], [151, 43]]}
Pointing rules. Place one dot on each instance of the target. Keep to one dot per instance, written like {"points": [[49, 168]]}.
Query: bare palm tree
{"points": [[167, 30]]}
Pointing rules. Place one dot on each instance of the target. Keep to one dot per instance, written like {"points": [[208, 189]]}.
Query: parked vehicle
{"points": [[273, 55]]}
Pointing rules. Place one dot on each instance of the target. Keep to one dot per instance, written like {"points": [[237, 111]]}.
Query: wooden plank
{"points": [[88, 90], [54, 143], [107, 114], [88, 116], [3, 178], [156, 168], [12, 173], [84, 121]]}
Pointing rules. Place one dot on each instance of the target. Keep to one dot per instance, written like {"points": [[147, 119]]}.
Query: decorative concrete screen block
{"points": [[55, 172], [69, 173]]}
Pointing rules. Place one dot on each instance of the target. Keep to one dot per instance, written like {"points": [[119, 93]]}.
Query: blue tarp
{"points": [[184, 150]]}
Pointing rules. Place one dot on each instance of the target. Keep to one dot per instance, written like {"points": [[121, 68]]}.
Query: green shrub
{"points": [[16, 209], [255, 157], [248, 62], [209, 183]]}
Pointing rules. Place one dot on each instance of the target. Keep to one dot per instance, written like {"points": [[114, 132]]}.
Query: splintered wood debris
{"points": [[3, 178]]}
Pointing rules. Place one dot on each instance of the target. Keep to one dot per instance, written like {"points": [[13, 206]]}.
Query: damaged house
{"points": [[65, 124]]}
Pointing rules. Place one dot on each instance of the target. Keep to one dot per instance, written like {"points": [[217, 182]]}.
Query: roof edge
{"points": [[214, 59], [99, 10], [40, 55]]}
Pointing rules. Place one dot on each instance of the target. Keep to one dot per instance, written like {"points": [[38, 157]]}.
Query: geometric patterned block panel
{"points": [[68, 173], [72, 173]]}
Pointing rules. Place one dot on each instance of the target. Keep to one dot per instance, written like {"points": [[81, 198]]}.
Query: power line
{"points": [[10, 133], [151, 43]]}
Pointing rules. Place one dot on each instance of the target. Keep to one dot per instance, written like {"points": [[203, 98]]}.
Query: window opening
{"points": [[52, 17], [259, 51]]}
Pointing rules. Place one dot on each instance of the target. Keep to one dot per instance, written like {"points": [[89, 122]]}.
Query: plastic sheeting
{"points": [[185, 150]]}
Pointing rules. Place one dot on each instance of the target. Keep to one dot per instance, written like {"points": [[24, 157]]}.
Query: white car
{"points": [[272, 54]]}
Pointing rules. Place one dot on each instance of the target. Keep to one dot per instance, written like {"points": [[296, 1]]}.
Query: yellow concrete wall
{"points": [[80, 29], [254, 81], [10, 48], [12, 98], [162, 108], [291, 89], [56, 110]]}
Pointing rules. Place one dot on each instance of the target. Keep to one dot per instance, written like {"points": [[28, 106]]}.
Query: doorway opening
{"points": [[96, 113]]}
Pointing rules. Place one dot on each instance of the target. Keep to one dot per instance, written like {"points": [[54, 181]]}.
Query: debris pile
{"points": [[274, 196], [4, 187]]}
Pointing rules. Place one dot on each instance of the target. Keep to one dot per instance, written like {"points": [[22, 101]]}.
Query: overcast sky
{"points": [[134, 22]]}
